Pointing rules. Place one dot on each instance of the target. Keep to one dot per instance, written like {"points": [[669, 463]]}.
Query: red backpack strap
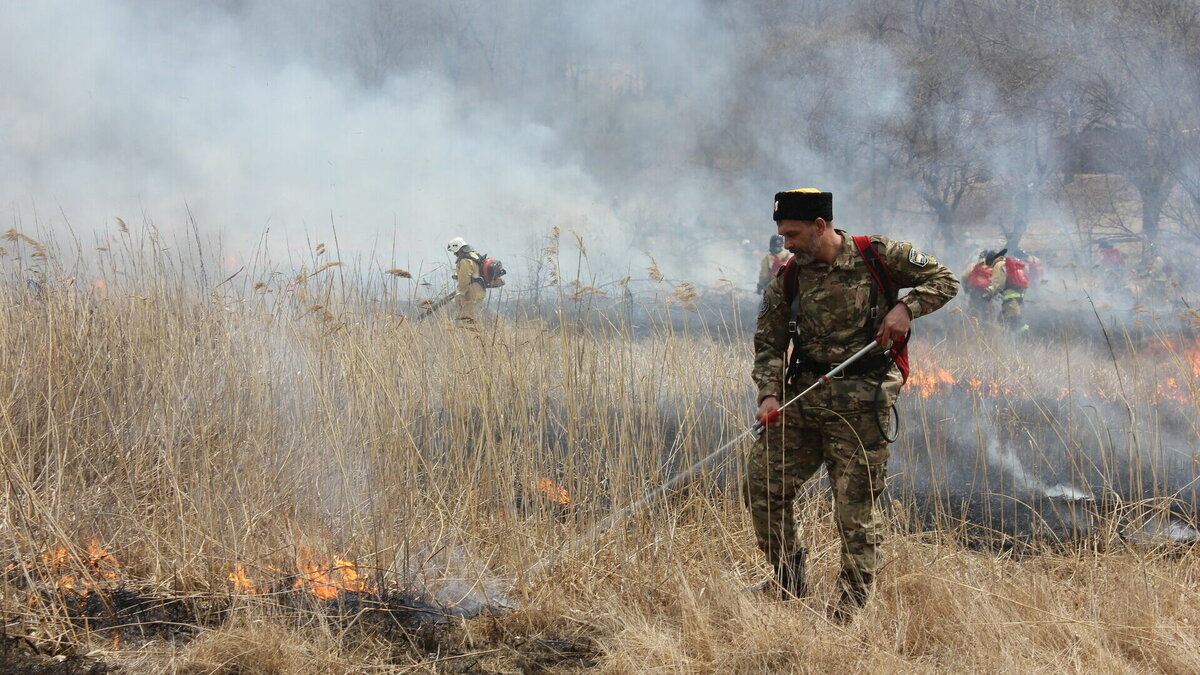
{"points": [[791, 274], [885, 284], [875, 264]]}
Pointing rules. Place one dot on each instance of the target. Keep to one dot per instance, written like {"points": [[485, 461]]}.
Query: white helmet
{"points": [[456, 244]]}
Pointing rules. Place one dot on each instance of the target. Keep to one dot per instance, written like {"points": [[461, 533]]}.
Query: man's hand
{"points": [[769, 405], [894, 327]]}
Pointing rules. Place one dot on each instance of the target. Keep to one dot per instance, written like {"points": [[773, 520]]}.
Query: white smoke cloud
{"points": [[660, 127], [120, 110]]}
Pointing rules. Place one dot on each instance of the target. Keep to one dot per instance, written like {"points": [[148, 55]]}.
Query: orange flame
{"points": [[352, 579], [1169, 389], [101, 561], [1177, 389], [242, 582], [319, 580], [554, 491], [930, 380], [56, 562], [67, 568]]}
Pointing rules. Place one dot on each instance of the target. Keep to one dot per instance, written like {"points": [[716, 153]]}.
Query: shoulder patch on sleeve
{"points": [[917, 258], [762, 306]]}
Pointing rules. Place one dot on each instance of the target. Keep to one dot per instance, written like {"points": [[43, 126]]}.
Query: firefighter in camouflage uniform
{"points": [[828, 308]]}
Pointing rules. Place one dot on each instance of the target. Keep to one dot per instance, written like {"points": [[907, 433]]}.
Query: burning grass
{"points": [[206, 480]]}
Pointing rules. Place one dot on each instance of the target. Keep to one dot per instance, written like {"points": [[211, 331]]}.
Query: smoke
{"points": [[1007, 461], [643, 127], [654, 129], [145, 115], [256, 117]]}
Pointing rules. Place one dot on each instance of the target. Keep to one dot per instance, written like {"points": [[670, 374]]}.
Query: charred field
{"points": [[277, 473]]}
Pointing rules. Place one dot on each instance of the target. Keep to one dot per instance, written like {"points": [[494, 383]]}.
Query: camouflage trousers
{"points": [[852, 448]]}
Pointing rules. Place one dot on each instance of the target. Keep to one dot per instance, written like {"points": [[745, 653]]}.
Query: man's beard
{"points": [[803, 257]]}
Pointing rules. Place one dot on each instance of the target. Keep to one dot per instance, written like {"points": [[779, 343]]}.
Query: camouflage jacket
{"points": [[834, 299]]}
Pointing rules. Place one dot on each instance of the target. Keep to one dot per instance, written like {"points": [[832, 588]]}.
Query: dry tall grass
{"points": [[192, 427]]}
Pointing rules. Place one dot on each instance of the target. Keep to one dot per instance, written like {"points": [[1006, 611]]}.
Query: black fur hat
{"points": [[806, 204]]}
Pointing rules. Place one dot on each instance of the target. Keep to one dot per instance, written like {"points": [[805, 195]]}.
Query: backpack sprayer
{"points": [[686, 475]]}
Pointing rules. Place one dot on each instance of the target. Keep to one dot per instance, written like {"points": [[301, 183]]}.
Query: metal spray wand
{"points": [[686, 475]]}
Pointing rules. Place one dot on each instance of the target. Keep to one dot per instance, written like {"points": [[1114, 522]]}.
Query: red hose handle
{"points": [[769, 419]]}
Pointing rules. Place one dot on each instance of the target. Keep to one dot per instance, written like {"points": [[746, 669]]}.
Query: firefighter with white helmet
{"points": [[474, 272], [467, 275]]}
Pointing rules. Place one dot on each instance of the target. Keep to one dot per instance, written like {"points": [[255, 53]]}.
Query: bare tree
{"points": [[1015, 50], [1131, 88], [941, 139]]}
